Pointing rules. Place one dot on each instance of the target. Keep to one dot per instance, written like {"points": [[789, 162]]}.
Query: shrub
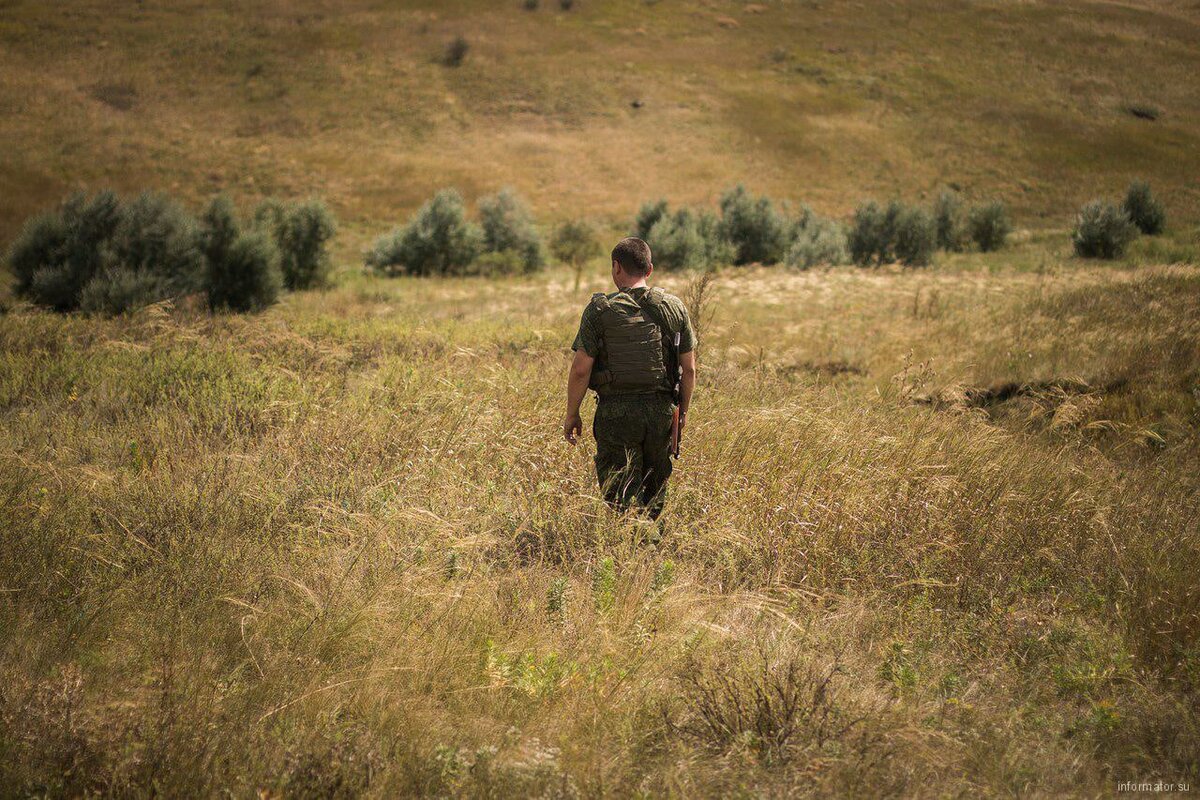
{"points": [[118, 289], [247, 276], [532, 5], [494, 263], [302, 235], [158, 237], [438, 240], [1143, 209], [950, 221], [688, 240], [566, 5], [647, 216], [218, 228], [456, 51], [115, 255], [816, 240], [57, 253], [508, 228], [758, 233], [1102, 230], [914, 237], [870, 237], [989, 226]]}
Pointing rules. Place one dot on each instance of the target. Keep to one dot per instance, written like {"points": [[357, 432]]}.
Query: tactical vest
{"points": [[634, 351]]}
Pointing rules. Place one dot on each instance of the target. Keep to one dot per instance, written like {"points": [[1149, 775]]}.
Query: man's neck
{"points": [[639, 285]]}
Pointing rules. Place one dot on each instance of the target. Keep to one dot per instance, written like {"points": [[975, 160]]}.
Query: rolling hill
{"points": [[590, 111]]}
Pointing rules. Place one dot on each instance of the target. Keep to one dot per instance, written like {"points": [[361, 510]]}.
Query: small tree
{"points": [[438, 240], [989, 226], [507, 226], [915, 237], [950, 221], [1102, 230], [758, 233], [574, 242], [1144, 210]]}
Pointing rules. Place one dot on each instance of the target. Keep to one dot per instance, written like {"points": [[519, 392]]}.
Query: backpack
{"points": [[635, 353]]}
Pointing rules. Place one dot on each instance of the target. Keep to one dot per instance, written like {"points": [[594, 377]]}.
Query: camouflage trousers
{"points": [[632, 462]]}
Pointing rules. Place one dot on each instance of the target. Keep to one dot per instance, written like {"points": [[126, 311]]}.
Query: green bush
{"points": [[302, 232], [218, 228], [647, 216], [950, 221], [117, 289], [1102, 230], [989, 226], [507, 226], [115, 255], [914, 237], [871, 233], [157, 236], [247, 277], [688, 240], [496, 263], [57, 253], [438, 240], [758, 233], [1144, 210], [817, 240]]}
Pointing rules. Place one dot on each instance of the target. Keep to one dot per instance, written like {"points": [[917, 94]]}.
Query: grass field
{"points": [[340, 548], [934, 533]]}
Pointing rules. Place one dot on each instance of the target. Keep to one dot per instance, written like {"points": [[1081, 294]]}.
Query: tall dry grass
{"points": [[338, 549]]}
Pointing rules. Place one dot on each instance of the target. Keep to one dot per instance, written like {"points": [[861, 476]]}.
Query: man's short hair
{"points": [[633, 255]]}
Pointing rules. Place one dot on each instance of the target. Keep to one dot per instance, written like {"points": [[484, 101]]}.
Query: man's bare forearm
{"points": [[577, 386]]}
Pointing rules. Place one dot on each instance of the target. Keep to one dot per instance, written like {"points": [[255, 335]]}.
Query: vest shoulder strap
{"points": [[600, 301]]}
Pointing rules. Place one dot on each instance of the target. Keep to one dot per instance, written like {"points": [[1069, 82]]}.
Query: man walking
{"points": [[632, 346]]}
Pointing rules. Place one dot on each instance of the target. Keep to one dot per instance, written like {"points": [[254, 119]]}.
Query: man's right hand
{"points": [[572, 428]]}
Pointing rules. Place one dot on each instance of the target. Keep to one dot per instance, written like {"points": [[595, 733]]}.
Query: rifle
{"points": [[677, 396]]}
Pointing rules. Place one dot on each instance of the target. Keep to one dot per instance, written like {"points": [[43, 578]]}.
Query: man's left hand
{"points": [[572, 428]]}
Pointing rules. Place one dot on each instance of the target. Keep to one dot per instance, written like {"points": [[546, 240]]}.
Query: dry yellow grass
{"points": [[339, 549], [935, 532]]}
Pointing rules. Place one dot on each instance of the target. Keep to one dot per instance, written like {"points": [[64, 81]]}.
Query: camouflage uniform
{"points": [[633, 431]]}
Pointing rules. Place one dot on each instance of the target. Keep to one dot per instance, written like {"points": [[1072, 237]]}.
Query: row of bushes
{"points": [[752, 229], [911, 234], [105, 254], [747, 230], [440, 240], [1105, 230]]}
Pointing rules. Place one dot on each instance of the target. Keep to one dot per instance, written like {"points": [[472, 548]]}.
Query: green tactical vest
{"points": [[634, 352]]}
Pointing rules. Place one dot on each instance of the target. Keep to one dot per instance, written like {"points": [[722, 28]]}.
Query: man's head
{"points": [[631, 262]]}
